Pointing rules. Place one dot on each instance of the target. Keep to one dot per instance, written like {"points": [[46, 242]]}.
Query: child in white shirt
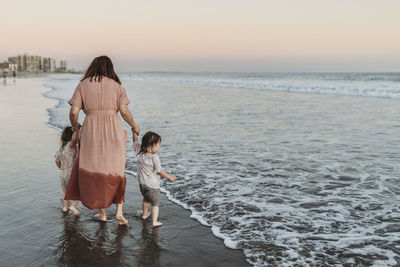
{"points": [[65, 158], [149, 172]]}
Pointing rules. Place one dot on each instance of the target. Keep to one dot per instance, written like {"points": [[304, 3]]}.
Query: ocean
{"points": [[292, 168]]}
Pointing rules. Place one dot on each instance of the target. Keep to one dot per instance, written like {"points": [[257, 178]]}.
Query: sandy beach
{"points": [[35, 232]]}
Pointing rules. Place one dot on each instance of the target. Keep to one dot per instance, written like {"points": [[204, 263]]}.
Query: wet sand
{"points": [[35, 232]]}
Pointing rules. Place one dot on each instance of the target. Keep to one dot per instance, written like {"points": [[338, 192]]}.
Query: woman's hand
{"points": [[76, 127], [136, 129]]}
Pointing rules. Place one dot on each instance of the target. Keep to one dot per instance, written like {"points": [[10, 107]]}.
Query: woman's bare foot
{"points": [[74, 210], [65, 209], [121, 220], [100, 218], [157, 224]]}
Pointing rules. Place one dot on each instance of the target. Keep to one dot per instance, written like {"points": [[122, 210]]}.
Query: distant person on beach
{"points": [[4, 75], [65, 158], [149, 172], [14, 74], [98, 176]]}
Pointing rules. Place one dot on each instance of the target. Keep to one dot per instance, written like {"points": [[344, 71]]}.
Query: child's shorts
{"points": [[150, 195]]}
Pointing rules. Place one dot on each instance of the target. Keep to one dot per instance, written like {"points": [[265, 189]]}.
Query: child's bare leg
{"points": [[73, 207], [145, 207], [65, 205], [154, 216]]}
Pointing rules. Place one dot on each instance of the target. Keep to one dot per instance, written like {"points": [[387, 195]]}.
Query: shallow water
{"points": [[35, 232], [305, 177]]}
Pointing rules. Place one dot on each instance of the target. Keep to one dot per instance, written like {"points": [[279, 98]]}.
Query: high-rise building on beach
{"points": [[49, 64], [25, 62], [34, 63], [63, 65]]}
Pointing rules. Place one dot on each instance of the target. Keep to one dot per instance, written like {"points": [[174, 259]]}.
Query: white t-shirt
{"points": [[148, 167]]}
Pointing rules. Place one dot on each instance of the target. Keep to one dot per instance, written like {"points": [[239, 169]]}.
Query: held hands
{"points": [[136, 129], [76, 127]]}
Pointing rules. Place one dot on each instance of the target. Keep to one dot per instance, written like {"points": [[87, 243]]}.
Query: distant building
{"points": [[33, 63], [17, 60], [25, 62], [49, 64], [63, 65], [8, 66]]}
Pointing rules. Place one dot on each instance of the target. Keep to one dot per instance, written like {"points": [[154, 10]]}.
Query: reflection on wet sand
{"points": [[78, 248], [37, 233], [149, 254], [82, 244]]}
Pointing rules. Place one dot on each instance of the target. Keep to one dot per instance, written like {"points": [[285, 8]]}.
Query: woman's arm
{"points": [[127, 116], [73, 117], [74, 139]]}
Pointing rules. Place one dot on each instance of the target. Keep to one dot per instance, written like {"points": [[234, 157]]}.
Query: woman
{"points": [[98, 177]]}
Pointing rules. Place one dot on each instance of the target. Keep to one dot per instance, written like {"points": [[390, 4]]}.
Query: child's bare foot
{"points": [[157, 224], [121, 220], [100, 218], [74, 210], [145, 217]]}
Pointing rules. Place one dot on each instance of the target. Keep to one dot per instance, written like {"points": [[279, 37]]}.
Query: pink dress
{"points": [[98, 176]]}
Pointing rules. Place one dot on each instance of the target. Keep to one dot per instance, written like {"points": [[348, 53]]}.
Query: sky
{"points": [[208, 35]]}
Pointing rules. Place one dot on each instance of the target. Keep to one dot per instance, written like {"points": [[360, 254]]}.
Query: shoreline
{"points": [[226, 243], [215, 230]]}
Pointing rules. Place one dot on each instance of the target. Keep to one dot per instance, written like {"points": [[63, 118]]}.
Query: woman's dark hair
{"points": [[149, 139], [66, 136], [101, 66]]}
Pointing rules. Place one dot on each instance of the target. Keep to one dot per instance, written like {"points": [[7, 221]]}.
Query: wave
{"points": [[354, 84]]}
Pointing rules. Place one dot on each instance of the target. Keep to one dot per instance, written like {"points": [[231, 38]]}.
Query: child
{"points": [[149, 172], [65, 158]]}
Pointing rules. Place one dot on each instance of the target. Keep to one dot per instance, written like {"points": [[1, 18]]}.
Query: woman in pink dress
{"points": [[98, 176]]}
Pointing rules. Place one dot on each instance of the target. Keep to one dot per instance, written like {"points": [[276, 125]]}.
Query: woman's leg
{"points": [[119, 215], [101, 215], [73, 207]]}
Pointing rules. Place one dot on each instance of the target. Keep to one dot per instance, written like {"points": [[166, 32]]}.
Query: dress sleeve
{"points": [[123, 98], [156, 164], [136, 147], [76, 99]]}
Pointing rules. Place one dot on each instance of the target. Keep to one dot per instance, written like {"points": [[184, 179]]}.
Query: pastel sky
{"points": [[208, 35]]}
